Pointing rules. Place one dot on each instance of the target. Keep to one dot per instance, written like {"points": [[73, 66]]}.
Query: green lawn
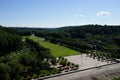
{"points": [[55, 49]]}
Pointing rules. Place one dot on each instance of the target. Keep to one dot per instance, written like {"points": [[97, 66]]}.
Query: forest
{"points": [[85, 38], [22, 58]]}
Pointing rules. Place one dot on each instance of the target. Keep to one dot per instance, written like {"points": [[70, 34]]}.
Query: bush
{"points": [[68, 63], [34, 76], [77, 65], [54, 71], [43, 73], [22, 78], [28, 77], [116, 78], [63, 63]]}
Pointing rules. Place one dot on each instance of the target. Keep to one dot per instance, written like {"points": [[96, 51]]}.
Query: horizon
{"points": [[59, 26], [58, 13]]}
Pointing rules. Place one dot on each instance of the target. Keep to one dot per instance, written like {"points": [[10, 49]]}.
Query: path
{"points": [[103, 73], [85, 62]]}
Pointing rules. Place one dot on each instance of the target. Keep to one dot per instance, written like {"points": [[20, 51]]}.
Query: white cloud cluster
{"points": [[103, 13]]}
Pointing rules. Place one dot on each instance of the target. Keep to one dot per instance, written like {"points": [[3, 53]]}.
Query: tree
{"points": [[4, 74]]}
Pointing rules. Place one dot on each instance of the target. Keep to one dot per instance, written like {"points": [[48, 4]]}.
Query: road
{"points": [[101, 73]]}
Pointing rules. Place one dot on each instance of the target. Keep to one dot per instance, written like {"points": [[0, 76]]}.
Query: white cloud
{"points": [[78, 15], [103, 13]]}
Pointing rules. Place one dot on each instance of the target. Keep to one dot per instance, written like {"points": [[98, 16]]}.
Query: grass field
{"points": [[55, 49]]}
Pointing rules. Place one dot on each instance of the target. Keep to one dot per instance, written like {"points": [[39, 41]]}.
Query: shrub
{"points": [[34, 76], [77, 65], [28, 77], [116, 78], [43, 73], [54, 71]]}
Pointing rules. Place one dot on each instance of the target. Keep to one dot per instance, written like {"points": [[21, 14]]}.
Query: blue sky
{"points": [[58, 13]]}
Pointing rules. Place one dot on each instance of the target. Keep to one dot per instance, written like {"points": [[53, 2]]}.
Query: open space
{"points": [[103, 73], [55, 49], [85, 62]]}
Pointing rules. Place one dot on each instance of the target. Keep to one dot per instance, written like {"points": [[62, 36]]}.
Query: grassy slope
{"points": [[56, 49]]}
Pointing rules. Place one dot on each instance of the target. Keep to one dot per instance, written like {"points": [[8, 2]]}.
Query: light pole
{"points": [[81, 60]]}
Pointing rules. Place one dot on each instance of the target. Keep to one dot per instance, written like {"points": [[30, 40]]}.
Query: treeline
{"points": [[104, 38], [10, 40], [72, 31]]}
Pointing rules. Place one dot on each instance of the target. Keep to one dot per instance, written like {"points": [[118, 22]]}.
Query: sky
{"points": [[58, 13]]}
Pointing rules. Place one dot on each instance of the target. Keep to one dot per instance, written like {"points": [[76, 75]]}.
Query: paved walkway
{"points": [[103, 73], [85, 62], [87, 67]]}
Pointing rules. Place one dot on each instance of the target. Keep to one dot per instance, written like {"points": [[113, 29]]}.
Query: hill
{"points": [[85, 38], [23, 59], [26, 58]]}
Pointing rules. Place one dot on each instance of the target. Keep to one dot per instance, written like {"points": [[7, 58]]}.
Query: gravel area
{"points": [[85, 62], [102, 73]]}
